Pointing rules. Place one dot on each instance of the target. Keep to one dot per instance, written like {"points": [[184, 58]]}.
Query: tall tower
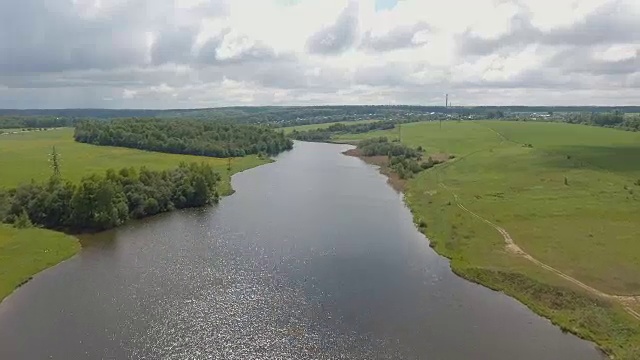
{"points": [[446, 101]]}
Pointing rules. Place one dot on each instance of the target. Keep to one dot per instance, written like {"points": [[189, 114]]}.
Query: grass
{"points": [[24, 157], [26, 252], [290, 129], [588, 228]]}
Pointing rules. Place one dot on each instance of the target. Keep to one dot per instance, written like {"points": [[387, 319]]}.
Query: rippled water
{"points": [[314, 257]]}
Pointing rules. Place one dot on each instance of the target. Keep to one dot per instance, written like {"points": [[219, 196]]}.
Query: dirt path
{"points": [[626, 301]]}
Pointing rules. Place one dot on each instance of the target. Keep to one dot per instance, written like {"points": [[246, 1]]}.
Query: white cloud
{"points": [[186, 53]]}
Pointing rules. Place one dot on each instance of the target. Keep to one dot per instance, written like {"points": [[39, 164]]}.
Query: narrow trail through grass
{"points": [[627, 301]]}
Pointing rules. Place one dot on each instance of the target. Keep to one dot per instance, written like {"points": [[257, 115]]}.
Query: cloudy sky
{"points": [[207, 53]]}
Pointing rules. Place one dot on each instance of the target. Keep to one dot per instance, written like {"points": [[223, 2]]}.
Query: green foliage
{"points": [[22, 221], [103, 202], [403, 160], [55, 161], [325, 134], [33, 122], [183, 137], [4, 204], [615, 119], [382, 146]]}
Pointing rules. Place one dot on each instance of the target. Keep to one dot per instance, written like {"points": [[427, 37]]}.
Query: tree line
{"points": [[34, 122], [191, 137], [101, 202], [320, 135], [615, 119], [403, 160], [292, 115]]}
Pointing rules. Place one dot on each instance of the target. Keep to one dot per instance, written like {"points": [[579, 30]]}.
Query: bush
{"points": [[22, 221]]}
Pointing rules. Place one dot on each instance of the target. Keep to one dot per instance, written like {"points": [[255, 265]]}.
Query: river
{"points": [[314, 257]]}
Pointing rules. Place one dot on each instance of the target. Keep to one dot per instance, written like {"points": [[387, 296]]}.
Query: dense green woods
{"points": [[34, 122], [614, 119], [183, 137], [101, 202], [325, 134], [403, 160]]}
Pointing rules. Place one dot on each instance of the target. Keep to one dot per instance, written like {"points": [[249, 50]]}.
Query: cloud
{"points": [[397, 38], [198, 53], [613, 22], [338, 37]]}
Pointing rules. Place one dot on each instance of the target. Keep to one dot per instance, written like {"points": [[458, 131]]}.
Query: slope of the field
{"points": [[588, 228], [26, 156], [568, 195]]}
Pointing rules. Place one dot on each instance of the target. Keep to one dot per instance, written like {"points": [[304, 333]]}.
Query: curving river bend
{"points": [[314, 257]]}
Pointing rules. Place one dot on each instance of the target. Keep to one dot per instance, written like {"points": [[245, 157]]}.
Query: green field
{"points": [[587, 228], [26, 252], [26, 156], [290, 129]]}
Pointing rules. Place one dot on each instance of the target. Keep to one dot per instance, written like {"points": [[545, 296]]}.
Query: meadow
{"points": [[567, 194], [25, 156]]}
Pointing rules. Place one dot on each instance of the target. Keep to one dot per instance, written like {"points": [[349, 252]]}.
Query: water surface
{"points": [[314, 257]]}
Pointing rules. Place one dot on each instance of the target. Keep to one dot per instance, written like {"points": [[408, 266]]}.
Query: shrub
{"points": [[22, 221]]}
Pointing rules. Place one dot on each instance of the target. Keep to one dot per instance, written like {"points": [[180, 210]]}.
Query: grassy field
{"points": [[290, 129], [26, 252], [587, 227], [26, 156]]}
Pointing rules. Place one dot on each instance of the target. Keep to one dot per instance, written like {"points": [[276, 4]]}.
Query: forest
{"points": [[34, 122], [101, 202], [191, 137], [614, 119], [320, 135]]}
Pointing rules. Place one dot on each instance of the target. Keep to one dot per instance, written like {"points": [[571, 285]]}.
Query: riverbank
{"points": [[26, 252], [478, 251], [19, 262]]}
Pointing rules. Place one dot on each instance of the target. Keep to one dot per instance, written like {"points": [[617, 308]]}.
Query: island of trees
{"points": [[191, 137], [101, 202], [403, 160]]}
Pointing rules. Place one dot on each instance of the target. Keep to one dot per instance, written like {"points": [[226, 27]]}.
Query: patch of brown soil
{"points": [[440, 157], [383, 163]]}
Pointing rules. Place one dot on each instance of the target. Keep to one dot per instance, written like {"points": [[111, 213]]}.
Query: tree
{"points": [[55, 161]]}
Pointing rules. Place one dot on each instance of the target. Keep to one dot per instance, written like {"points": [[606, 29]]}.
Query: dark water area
{"points": [[314, 257]]}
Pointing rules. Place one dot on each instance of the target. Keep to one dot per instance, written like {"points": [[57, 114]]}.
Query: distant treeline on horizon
{"points": [[285, 113]]}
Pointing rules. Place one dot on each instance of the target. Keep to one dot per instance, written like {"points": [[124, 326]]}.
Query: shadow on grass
{"points": [[620, 159]]}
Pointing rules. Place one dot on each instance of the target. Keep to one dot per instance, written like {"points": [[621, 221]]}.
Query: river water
{"points": [[314, 257]]}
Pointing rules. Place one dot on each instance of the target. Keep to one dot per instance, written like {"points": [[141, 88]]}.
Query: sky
{"points": [[208, 53]]}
